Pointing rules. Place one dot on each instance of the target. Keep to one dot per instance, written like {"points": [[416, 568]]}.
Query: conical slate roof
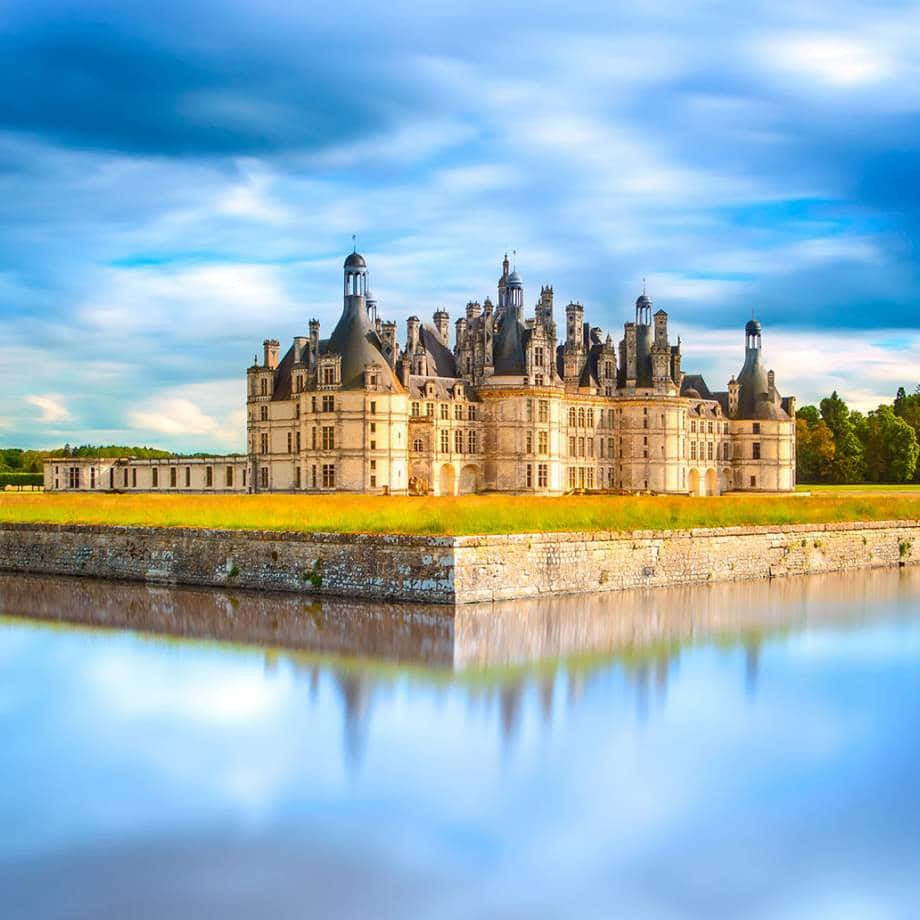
{"points": [[356, 341]]}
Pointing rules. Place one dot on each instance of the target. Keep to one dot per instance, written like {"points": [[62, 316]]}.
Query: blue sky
{"points": [[179, 181]]}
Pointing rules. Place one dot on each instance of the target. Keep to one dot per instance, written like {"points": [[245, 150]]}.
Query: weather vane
{"points": [[354, 243]]}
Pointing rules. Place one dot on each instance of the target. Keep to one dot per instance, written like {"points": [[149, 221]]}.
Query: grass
{"points": [[874, 487], [469, 514]]}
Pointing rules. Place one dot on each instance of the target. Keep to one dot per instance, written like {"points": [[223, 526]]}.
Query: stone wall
{"points": [[350, 565], [509, 566], [453, 569]]}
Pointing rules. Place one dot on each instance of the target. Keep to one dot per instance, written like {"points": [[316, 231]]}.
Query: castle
{"points": [[509, 408]]}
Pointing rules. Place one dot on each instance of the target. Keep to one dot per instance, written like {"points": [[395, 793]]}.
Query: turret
{"points": [[473, 310]]}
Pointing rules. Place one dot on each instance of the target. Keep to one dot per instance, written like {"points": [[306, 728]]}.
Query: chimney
{"points": [[270, 348], [473, 310], [404, 368], [442, 324], [412, 327]]}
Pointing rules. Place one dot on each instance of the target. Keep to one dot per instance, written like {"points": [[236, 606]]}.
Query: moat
{"points": [[714, 750]]}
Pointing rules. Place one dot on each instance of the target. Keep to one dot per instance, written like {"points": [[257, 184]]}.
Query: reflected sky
{"points": [[718, 751]]}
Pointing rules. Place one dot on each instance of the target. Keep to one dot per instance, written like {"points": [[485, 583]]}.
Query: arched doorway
{"points": [[469, 480], [725, 481], [694, 482], [446, 480], [712, 482]]}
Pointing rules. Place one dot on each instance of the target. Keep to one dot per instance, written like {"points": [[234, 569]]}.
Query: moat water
{"points": [[724, 751]]}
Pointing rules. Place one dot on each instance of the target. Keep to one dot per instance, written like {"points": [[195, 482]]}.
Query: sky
{"points": [[180, 180]]}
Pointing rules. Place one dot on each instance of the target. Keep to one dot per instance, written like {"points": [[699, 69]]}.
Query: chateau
{"points": [[514, 405]]}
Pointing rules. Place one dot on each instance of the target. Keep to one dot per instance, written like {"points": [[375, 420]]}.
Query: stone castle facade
{"points": [[515, 405]]}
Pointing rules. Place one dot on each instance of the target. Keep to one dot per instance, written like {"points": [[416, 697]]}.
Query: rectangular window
{"points": [[263, 387], [538, 356], [229, 477], [429, 410], [172, 477], [328, 404], [328, 376], [600, 447], [328, 476], [373, 482], [313, 439], [590, 478], [298, 442], [264, 443], [571, 447], [313, 475], [73, 477], [693, 426], [373, 445], [543, 410], [125, 477], [415, 408], [693, 450], [529, 405], [297, 477], [581, 447], [445, 412], [571, 477], [542, 442], [373, 427], [528, 449], [290, 438], [610, 447], [92, 477], [571, 416], [263, 477], [458, 412], [134, 478], [753, 482], [156, 477], [472, 413], [263, 413], [709, 429], [445, 441], [529, 476], [458, 441], [755, 450], [328, 437], [188, 476], [542, 475], [209, 476], [313, 404], [590, 418], [373, 408], [756, 427], [709, 451], [471, 442], [590, 447]]}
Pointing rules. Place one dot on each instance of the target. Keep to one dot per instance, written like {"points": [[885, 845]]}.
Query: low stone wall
{"points": [[506, 566], [453, 569], [349, 565]]}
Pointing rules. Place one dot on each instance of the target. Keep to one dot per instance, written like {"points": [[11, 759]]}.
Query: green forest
{"points": [[837, 444], [15, 460]]}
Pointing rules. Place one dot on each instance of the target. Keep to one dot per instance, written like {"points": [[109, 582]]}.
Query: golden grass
{"points": [[469, 514]]}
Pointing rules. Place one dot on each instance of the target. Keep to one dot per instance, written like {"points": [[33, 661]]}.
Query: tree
{"points": [[908, 408], [890, 446], [810, 415], [814, 451], [848, 449]]}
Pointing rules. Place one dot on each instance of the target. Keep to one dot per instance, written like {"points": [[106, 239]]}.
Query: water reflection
{"points": [[723, 750], [498, 652]]}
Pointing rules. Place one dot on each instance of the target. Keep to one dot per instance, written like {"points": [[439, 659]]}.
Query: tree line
{"points": [[17, 460], [837, 444]]}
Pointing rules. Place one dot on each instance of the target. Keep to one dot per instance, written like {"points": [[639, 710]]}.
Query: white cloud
{"points": [[52, 408], [211, 411], [839, 61]]}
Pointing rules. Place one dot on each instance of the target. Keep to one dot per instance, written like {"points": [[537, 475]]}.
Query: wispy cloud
{"points": [[175, 189]]}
